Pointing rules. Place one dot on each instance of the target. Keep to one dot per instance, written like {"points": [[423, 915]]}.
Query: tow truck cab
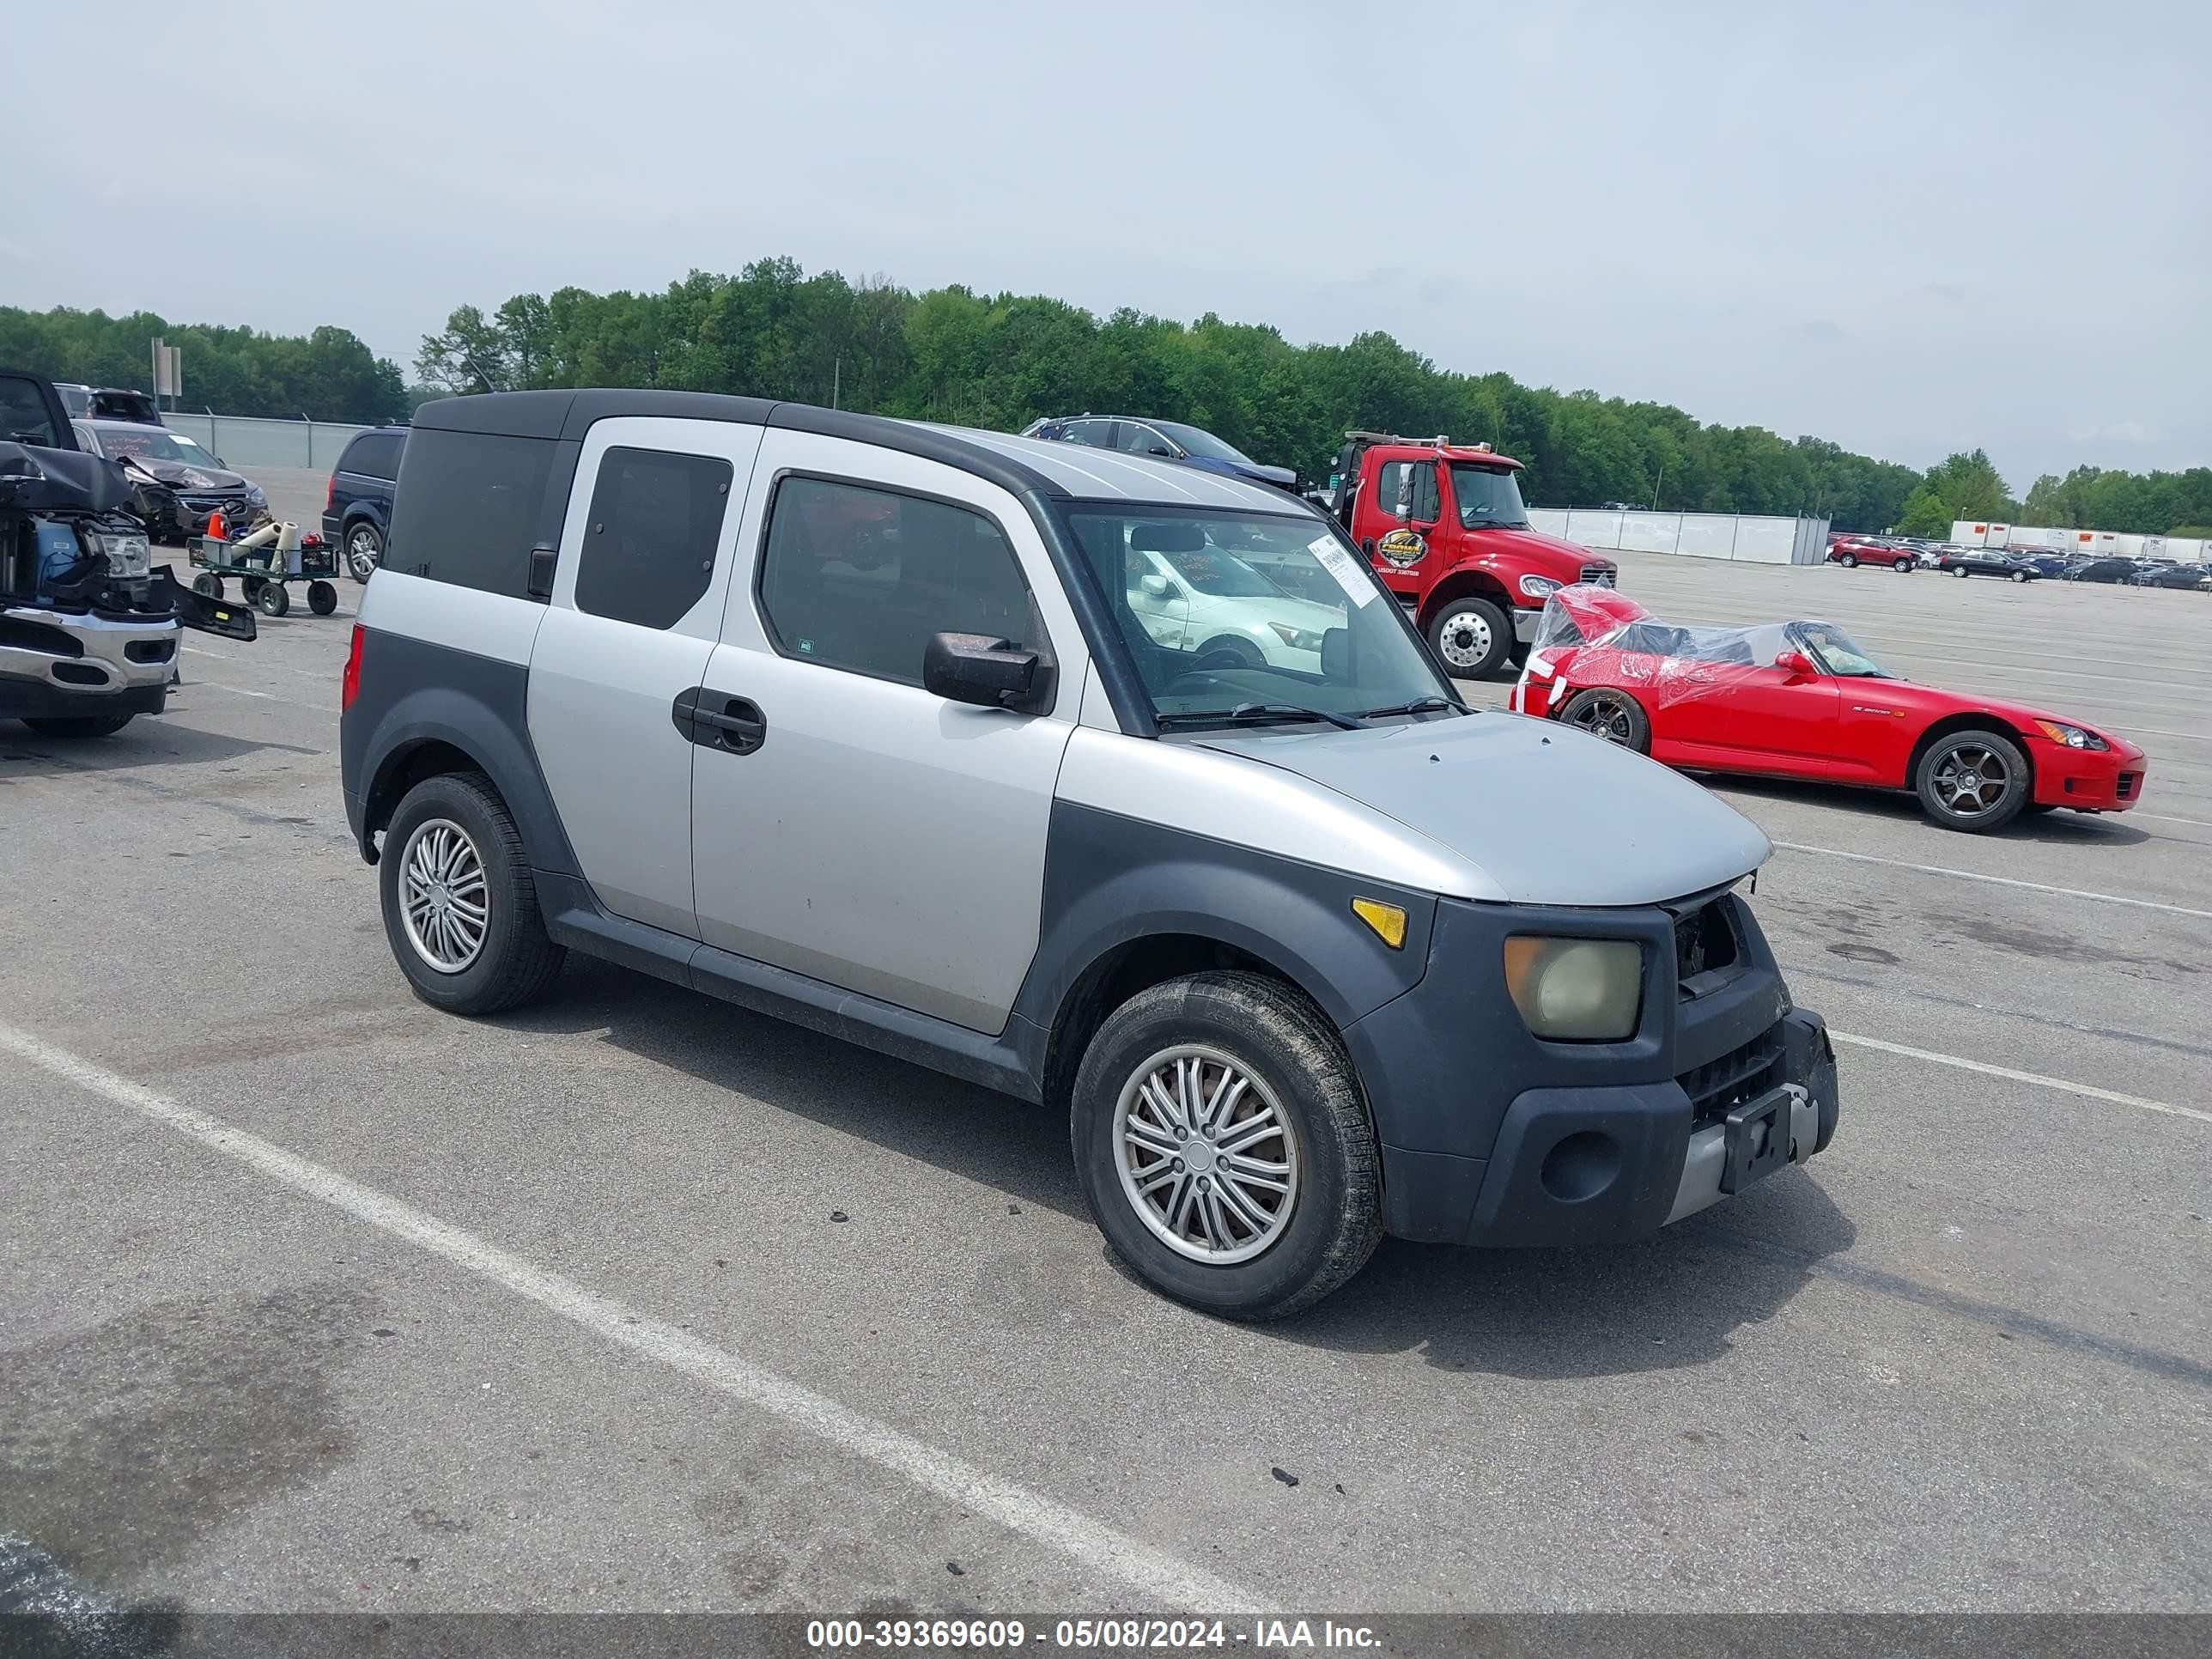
{"points": [[1448, 534]]}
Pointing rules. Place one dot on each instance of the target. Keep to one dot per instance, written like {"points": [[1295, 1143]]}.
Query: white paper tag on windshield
{"points": [[1357, 585]]}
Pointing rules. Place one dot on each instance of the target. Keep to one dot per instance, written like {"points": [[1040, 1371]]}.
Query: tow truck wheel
{"points": [[272, 600], [322, 599], [1472, 636], [79, 726], [1221, 1142], [207, 584]]}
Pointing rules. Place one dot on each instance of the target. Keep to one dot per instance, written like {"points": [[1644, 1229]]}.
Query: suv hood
{"points": [[1547, 815], [183, 474]]}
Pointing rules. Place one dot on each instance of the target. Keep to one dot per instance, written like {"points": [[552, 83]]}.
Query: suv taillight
{"points": [[330, 493], [349, 687]]}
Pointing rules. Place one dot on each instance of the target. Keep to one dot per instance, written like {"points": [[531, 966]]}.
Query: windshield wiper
{"points": [[1420, 705], [1244, 711]]}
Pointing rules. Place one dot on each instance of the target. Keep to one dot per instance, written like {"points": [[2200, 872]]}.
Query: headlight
{"points": [[1298, 638], [2072, 736], [1577, 990], [1540, 587], [127, 555], [254, 494]]}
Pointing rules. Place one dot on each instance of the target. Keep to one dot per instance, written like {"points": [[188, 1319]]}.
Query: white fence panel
{"points": [[246, 441], [1708, 535], [1765, 541], [1549, 520], [1651, 533]]}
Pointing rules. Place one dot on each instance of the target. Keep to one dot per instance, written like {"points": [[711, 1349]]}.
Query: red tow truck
{"points": [[1445, 529]]}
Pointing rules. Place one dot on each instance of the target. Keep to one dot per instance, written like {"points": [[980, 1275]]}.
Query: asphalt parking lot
{"points": [[638, 1301]]}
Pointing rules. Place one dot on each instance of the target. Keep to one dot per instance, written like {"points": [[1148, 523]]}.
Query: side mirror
{"points": [[984, 670], [221, 463], [1796, 665], [1154, 584]]}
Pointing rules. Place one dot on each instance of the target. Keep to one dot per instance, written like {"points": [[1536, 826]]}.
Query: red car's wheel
{"points": [[1612, 716], [1848, 561], [1972, 780]]}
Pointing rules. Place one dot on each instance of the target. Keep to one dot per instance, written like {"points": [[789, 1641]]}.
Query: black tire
{"points": [[1996, 758], [322, 599], [517, 962], [272, 600], [207, 584], [1280, 1041], [1228, 652], [363, 549], [1848, 561], [1903, 567], [1457, 634], [74, 726], [2020, 575], [1612, 716], [1960, 570], [252, 587]]}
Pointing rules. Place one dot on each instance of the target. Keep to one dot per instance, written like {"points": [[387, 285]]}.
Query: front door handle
{"points": [[735, 725]]}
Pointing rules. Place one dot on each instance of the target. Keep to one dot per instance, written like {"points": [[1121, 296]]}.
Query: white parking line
{"points": [[2001, 881], [1988, 1070], [266, 696], [1154, 1573]]}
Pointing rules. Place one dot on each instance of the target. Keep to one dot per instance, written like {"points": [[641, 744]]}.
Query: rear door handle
{"points": [[734, 725]]}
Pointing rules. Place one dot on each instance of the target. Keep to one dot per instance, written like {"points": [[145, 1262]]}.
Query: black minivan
{"points": [[357, 512]]}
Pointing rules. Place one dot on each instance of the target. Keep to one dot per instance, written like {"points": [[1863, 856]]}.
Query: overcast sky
{"points": [[1909, 227]]}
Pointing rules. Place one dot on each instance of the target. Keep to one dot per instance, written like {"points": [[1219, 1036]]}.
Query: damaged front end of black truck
{"points": [[89, 629]]}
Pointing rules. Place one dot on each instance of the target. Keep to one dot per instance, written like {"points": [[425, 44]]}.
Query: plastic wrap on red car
{"points": [[1592, 635]]}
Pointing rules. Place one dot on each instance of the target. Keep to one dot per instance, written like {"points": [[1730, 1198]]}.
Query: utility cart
{"points": [[263, 571]]}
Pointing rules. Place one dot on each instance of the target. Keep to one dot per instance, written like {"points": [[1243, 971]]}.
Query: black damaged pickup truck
{"points": [[88, 633]]}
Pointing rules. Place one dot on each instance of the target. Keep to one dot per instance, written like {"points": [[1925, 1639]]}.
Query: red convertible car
{"points": [[1800, 700]]}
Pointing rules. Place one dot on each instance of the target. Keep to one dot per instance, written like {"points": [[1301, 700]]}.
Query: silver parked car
{"points": [[1116, 785]]}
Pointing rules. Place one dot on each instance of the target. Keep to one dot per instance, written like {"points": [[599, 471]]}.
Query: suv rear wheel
{"points": [[1472, 636], [1223, 1143], [460, 908]]}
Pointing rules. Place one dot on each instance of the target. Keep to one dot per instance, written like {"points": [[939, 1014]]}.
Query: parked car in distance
{"points": [[181, 483], [2106, 570], [2172, 575], [850, 721], [1986, 562], [1167, 441], [108, 403], [1852, 551], [357, 509], [1801, 700], [2052, 566]]}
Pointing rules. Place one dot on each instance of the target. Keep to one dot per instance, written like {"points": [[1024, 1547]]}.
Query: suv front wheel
{"points": [[460, 908], [1223, 1143]]}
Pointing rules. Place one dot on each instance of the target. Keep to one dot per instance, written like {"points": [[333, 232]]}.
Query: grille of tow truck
{"points": [[1719, 1086], [1600, 573]]}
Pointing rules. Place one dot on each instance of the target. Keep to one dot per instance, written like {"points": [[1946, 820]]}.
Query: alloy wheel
{"points": [[1604, 717], [361, 553], [1972, 780], [1465, 639], [444, 898], [1206, 1155]]}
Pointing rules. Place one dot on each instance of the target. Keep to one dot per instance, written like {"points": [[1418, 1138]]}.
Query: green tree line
{"points": [[327, 375]]}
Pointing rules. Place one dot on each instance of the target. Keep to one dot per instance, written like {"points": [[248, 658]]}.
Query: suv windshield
{"points": [[1487, 497], [1199, 441], [1833, 649], [1223, 611]]}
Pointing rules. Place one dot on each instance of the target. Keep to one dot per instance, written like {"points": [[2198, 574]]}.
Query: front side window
{"points": [[649, 542], [1487, 498], [1138, 439], [1197, 441], [859, 579], [1258, 609], [1394, 478]]}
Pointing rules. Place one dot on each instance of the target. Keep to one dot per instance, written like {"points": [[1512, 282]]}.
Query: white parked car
{"points": [[1192, 595]]}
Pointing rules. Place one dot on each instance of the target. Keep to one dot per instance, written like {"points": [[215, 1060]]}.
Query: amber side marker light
{"points": [[1388, 920]]}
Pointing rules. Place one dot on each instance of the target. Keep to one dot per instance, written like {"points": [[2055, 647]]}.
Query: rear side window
{"points": [[859, 579], [649, 543], [1392, 478], [373, 454], [469, 507]]}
